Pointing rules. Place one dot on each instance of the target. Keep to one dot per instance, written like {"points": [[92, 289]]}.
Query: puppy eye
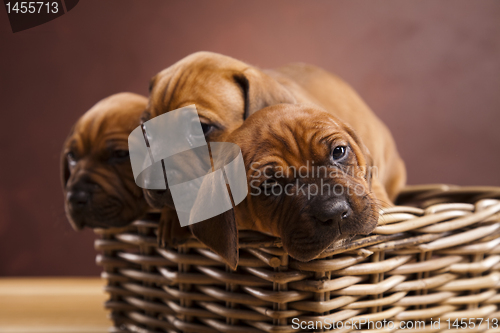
{"points": [[194, 130], [71, 157], [339, 152], [206, 128], [119, 155]]}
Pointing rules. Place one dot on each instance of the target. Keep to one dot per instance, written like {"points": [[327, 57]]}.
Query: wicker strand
{"points": [[436, 256]]}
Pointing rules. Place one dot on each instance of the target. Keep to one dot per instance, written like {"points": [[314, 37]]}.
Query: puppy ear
{"points": [[369, 166], [364, 151], [261, 90], [65, 173], [220, 234], [170, 232]]}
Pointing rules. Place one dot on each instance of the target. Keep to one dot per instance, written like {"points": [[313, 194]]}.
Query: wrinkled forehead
{"points": [[104, 126], [288, 138]]}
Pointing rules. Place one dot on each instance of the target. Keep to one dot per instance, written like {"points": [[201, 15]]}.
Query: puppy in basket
{"points": [[227, 92], [312, 179], [98, 185]]}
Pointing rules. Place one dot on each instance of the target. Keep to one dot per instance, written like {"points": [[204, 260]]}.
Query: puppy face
{"points": [[225, 91], [97, 176], [308, 181]]}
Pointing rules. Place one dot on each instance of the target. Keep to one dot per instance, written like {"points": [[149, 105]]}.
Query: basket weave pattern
{"points": [[437, 255]]}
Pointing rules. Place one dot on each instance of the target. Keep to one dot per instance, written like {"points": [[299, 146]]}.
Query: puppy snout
{"points": [[80, 194], [333, 211], [79, 198]]}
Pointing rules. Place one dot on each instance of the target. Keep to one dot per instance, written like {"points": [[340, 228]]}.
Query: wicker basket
{"points": [[436, 255]]}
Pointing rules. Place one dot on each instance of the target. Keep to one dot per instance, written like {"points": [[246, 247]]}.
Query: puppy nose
{"points": [[333, 211], [79, 198]]}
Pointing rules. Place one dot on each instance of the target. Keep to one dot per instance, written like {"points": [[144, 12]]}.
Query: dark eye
{"points": [[71, 157], [206, 128], [119, 155], [338, 152]]}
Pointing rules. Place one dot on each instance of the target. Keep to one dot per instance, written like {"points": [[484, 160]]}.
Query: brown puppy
{"points": [[97, 178], [313, 86], [227, 91], [310, 181]]}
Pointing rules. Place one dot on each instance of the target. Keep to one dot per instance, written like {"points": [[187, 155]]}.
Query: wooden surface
{"points": [[72, 305]]}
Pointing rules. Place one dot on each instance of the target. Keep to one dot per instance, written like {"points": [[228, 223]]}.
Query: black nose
{"points": [[80, 193], [79, 198], [333, 211]]}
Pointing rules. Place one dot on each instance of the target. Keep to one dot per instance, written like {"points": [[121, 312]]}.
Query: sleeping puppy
{"points": [[312, 182], [98, 184]]}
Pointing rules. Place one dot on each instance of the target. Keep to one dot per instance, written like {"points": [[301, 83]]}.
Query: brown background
{"points": [[429, 69]]}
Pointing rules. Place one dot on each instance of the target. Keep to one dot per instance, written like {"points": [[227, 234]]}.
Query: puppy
{"points": [[312, 182], [98, 184], [227, 91]]}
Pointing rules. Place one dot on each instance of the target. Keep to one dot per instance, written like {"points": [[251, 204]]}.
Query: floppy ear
{"points": [[220, 234], [64, 169], [369, 167], [364, 150], [170, 232], [261, 90], [65, 173]]}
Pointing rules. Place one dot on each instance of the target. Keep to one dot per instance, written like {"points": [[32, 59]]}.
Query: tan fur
{"points": [[280, 141], [226, 91]]}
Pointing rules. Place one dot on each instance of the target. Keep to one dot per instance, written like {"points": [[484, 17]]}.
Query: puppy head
{"points": [[97, 177], [225, 91], [308, 177]]}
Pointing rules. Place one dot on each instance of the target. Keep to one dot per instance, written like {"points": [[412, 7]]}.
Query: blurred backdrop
{"points": [[429, 69]]}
